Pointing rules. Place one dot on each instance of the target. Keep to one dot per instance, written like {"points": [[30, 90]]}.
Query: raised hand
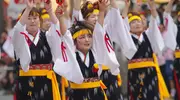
{"points": [[60, 15], [103, 4], [151, 4], [113, 4], [59, 11], [65, 6], [48, 6], [127, 3], [30, 4], [126, 8], [153, 8], [169, 6]]}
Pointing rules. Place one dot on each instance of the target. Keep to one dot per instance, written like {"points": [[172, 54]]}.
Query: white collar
{"points": [[140, 38], [84, 58], [34, 39]]}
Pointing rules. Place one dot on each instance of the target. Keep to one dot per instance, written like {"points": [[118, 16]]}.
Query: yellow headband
{"points": [[178, 13], [19, 16], [134, 18], [95, 11], [81, 32], [45, 16]]}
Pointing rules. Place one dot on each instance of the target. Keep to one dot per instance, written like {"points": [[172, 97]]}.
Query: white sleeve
{"points": [[68, 23], [119, 33], [155, 36], [21, 47], [53, 38], [8, 45], [104, 52], [126, 24], [169, 35], [77, 16], [67, 65]]}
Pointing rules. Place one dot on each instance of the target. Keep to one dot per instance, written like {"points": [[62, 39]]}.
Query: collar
{"points": [[140, 38], [36, 38], [84, 58]]}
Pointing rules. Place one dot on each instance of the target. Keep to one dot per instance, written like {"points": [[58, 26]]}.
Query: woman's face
{"points": [[84, 42], [136, 27], [33, 23], [144, 20], [92, 18]]}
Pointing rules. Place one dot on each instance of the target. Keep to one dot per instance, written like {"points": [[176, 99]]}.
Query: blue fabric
{"points": [[168, 70]]}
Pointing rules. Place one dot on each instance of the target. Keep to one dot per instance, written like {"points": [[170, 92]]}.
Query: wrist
{"points": [[101, 11], [28, 8], [60, 17], [60, 14], [153, 8], [49, 10]]}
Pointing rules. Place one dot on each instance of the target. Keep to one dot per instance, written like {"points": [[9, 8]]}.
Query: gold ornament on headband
{"points": [[89, 6], [43, 11], [45, 16], [178, 13], [129, 15], [81, 32]]}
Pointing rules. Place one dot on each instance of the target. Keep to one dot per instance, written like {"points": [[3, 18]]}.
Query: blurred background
{"points": [[9, 12]]}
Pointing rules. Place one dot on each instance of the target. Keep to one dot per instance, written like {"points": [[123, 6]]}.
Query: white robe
{"points": [[62, 48], [119, 33], [170, 32], [22, 51]]}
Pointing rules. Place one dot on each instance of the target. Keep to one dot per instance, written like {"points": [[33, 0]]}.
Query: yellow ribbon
{"points": [[50, 75], [90, 85], [119, 80], [64, 84], [178, 13], [162, 86], [96, 66], [177, 54], [45, 16], [106, 68]]}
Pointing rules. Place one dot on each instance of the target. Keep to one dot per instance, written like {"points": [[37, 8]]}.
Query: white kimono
{"points": [[119, 33], [154, 37], [23, 52], [8, 46], [66, 64], [170, 32], [102, 49], [115, 29], [20, 45]]}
